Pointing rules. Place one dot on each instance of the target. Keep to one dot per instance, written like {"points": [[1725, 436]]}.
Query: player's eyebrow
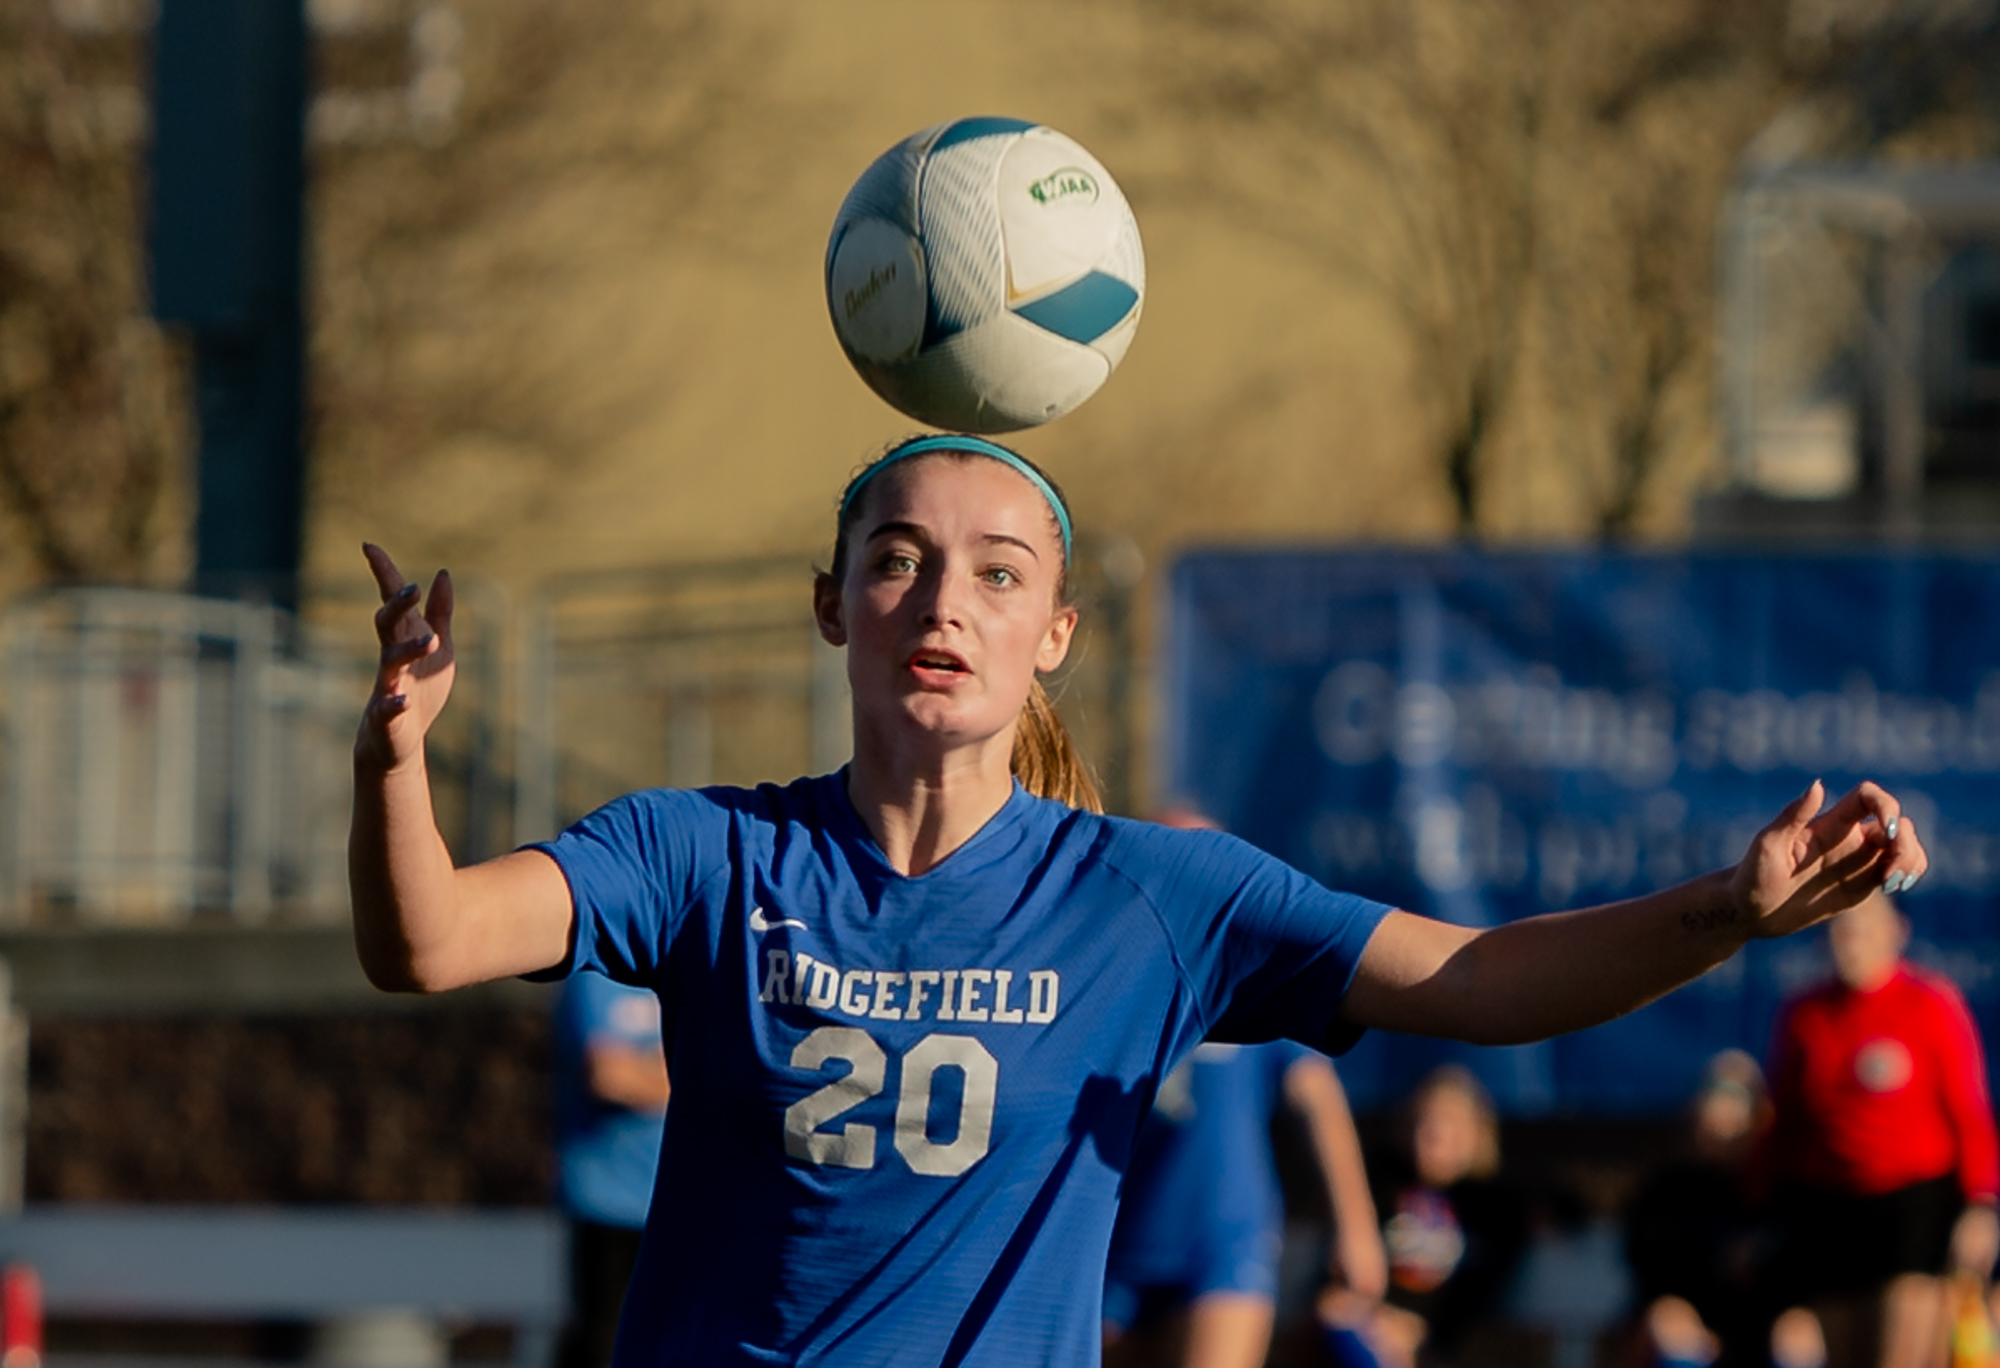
{"points": [[900, 529], [1002, 537], [917, 533]]}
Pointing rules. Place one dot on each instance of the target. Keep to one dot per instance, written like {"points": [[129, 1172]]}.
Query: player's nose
{"points": [[942, 597]]}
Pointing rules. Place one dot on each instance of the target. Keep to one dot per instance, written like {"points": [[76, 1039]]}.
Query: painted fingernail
{"points": [[1894, 822], [1895, 883], [1912, 881]]}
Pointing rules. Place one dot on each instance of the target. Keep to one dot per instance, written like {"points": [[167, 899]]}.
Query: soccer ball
{"points": [[985, 275]]}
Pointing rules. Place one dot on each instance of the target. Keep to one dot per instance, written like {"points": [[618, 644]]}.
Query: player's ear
{"points": [[1055, 642], [828, 611]]}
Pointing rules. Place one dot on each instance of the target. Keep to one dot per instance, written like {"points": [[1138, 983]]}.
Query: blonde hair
{"points": [[1045, 759]]}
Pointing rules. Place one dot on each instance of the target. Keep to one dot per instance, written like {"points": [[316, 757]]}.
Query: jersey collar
{"points": [[990, 844]]}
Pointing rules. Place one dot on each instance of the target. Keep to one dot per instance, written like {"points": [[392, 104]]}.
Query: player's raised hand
{"points": [[1808, 865], [417, 664]]}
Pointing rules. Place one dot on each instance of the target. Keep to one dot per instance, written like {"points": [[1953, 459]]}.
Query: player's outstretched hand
{"points": [[1808, 865], [414, 677]]}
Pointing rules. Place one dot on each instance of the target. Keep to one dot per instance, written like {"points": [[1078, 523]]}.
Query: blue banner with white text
{"points": [[1479, 737]]}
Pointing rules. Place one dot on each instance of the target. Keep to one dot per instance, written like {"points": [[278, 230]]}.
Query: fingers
{"points": [[396, 621], [394, 612], [387, 577], [1874, 811], [1867, 829], [401, 653], [1908, 859], [437, 608], [1803, 808], [383, 707], [1868, 802]]}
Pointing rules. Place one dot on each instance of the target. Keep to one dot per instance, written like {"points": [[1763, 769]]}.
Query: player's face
{"points": [[948, 606]]}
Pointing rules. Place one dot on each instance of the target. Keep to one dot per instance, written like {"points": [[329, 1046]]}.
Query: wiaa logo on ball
{"points": [[1063, 186]]}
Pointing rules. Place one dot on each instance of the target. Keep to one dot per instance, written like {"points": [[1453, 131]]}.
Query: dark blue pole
{"points": [[227, 255]]}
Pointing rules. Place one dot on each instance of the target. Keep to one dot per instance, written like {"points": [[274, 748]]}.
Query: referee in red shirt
{"points": [[1882, 1154]]}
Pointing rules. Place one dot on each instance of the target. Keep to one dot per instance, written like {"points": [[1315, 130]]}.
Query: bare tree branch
{"points": [[90, 406]]}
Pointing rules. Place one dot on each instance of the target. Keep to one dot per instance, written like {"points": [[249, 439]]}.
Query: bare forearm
{"points": [[400, 877], [422, 925], [1541, 976]]}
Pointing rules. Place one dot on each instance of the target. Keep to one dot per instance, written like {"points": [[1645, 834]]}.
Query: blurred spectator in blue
{"points": [[1193, 1275], [611, 1103], [1690, 1235]]}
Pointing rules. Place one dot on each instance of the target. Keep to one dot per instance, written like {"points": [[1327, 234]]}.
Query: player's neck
{"points": [[920, 805]]}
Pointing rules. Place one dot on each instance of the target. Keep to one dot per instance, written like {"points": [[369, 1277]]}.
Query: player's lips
{"points": [[938, 667]]}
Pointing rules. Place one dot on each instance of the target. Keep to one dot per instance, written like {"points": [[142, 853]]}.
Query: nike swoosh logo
{"points": [[761, 923]]}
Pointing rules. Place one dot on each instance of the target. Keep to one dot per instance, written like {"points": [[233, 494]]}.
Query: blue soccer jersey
{"points": [[902, 1105], [605, 1153], [1202, 1210]]}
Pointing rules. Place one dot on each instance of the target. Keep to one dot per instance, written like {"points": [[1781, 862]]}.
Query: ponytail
{"points": [[1046, 759]]}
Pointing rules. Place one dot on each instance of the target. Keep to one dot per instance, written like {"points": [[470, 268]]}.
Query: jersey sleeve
{"points": [[633, 867], [1268, 952]]}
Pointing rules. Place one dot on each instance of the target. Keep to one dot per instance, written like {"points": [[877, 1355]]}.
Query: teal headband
{"points": [[974, 446]]}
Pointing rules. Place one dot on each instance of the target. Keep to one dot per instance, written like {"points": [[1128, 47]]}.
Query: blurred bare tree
{"points": [[92, 424], [586, 136], [450, 161], [1531, 185]]}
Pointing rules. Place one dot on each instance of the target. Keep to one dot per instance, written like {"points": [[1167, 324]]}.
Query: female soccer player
{"points": [[915, 1010]]}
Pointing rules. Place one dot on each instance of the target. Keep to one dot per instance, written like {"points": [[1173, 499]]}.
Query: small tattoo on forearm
{"points": [[1708, 919]]}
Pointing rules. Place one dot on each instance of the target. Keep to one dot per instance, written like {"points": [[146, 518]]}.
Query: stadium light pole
{"points": [[226, 240]]}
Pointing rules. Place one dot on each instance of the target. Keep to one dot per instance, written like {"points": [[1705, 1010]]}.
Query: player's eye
{"points": [[1001, 577], [897, 563]]}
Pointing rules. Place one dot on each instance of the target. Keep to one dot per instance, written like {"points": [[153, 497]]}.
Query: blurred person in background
{"points": [[1193, 1275], [611, 1105], [1881, 1163], [1454, 1229], [1193, 1269], [1690, 1234]]}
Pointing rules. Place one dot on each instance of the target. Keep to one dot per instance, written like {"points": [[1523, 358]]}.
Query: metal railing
{"points": [[172, 759], [166, 755]]}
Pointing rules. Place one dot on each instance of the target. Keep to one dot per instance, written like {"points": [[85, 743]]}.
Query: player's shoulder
{"points": [[1154, 856], [801, 802]]}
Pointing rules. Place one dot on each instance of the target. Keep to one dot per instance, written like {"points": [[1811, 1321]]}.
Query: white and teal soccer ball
{"points": [[985, 275]]}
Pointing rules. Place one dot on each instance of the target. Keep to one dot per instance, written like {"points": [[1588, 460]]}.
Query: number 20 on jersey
{"points": [[853, 1144]]}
